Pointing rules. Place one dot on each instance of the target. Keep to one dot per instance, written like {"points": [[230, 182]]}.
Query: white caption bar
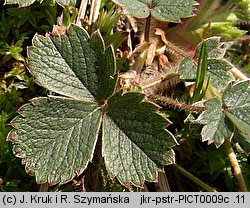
{"points": [[116, 199]]}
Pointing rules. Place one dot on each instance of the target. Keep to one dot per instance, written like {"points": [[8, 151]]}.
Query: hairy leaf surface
{"points": [[56, 137], [218, 71], [236, 100], [214, 47], [217, 127], [217, 67], [73, 64], [134, 142], [221, 119]]}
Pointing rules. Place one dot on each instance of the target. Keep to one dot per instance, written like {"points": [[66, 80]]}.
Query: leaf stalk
{"points": [[235, 165], [194, 179]]}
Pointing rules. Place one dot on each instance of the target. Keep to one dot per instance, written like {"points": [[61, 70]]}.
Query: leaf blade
{"points": [[140, 131], [169, 10], [51, 133], [163, 10], [137, 8], [70, 65], [216, 127], [23, 3], [236, 100]]}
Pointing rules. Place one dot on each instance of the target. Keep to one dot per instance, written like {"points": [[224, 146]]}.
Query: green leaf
{"points": [[134, 142], [24, 3], [244, 143], [186, 69], [217, 67], [220, 120], [201, 73], [218, 71], [137, 8], [214, 47], [216, 127], [163, 10], [73, 64], [236, 101], [56, 137], [21, 3]]}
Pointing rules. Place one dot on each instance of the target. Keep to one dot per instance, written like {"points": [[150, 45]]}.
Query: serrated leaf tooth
{"points": [[21, 110], [27, 169], [18, 154], [127, 185], [217, 145], [79, 172], [50, 182], [12, 122], [10, 136], [64, 180], [34, 101]]}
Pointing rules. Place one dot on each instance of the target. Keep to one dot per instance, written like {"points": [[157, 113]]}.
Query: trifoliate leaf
{"points": [[220, 120], [236, 101], [24, 3], [163, 10], [216, 127], [73, 64], [134, 142], [56, 137]]}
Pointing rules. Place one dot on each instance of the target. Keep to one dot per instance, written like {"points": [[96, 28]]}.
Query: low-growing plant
{"points": [[100, 122]]}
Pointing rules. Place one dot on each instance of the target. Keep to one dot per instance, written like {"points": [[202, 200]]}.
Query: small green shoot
{"points": [[201, 75]]}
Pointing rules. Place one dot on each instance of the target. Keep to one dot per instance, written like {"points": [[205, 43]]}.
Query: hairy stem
{"points": [[172, 103], [194, 179], [235, 165]]}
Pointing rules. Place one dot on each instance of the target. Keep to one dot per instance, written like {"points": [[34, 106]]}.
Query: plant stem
{"points": [[44, 187], [147, 28], [172, 103], [235, 165], [238, 74], [162, 185], [194, 179]]}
